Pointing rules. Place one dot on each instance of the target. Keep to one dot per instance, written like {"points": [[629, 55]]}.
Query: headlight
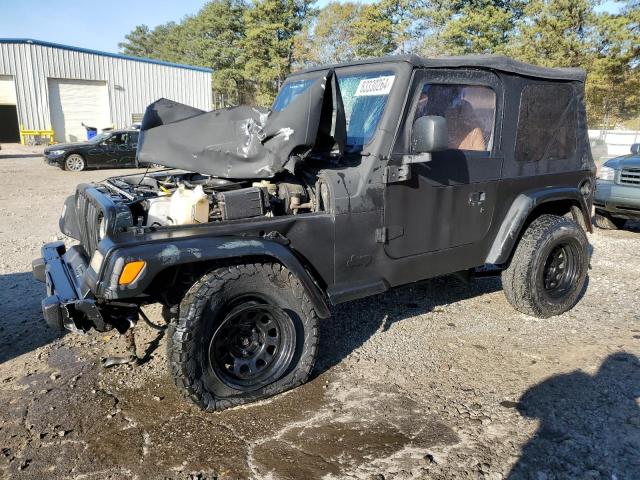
{"points": [[102, 230], [56, 153], [606, 174]]}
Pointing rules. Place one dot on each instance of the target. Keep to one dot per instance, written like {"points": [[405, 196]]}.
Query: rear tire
{"points": [[607, 222], [243, 333], [549, 268]]}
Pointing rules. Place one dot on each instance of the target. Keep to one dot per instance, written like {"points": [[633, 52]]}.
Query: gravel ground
{"points": [[437, 380]]}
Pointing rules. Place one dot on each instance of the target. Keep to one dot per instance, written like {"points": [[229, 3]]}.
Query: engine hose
{"points": [[149, 322]]}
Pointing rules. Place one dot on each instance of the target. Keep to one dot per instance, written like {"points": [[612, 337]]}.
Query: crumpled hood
{"points": [[244, 142]]}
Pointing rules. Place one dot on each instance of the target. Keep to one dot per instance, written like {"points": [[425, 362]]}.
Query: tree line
{"points": [[253, 46]]}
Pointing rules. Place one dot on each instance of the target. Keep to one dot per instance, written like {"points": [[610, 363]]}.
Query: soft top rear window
{"points": [[547, 123]]}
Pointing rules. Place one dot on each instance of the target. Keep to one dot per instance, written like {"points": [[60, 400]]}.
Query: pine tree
{"points": [[268, 46], [479, 26], [329, 38]]}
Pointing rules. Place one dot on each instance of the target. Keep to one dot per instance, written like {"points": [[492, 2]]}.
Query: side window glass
{"points": [[546, 124], [133, 138], [470, 112], [115, 139]]}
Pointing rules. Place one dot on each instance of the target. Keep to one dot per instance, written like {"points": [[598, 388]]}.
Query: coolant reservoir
{"points": [[159, 213], [189, 206]]}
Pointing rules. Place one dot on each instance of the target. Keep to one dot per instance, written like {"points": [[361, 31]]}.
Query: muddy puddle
{"points": [[77, 420]]}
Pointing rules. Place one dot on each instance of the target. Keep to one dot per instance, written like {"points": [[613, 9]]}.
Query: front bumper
{"points": [[69, 303], [54, 160], [621, 200]]}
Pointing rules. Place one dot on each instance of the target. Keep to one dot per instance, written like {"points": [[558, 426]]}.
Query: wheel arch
{"points": [[168, 261], [530, 205]]}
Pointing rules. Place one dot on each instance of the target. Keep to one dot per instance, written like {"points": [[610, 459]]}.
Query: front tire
{"points": [[74, 163], [607, 222], [549, 268], [243, 333]]}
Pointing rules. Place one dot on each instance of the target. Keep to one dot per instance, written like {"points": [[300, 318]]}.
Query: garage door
{"points": [[9, 130], [74, 102], [7, 90]]}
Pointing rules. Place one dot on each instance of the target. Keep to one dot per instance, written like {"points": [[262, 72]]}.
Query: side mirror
{"points": [[635, 148], [429, 134]]}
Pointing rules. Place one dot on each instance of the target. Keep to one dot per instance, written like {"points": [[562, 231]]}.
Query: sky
{"points": [[100, 25]]}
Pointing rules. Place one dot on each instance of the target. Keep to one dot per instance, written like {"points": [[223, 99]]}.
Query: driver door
{"points": [[131, 149], [447, 202], [117, 146]]}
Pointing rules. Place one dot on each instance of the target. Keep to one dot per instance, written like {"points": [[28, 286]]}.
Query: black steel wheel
{"points": [[243, 333], [560, 271], [252, 346], [548, 270]]}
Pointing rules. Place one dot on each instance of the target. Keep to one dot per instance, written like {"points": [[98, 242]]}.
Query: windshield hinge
{"points": [[384, 234], [396, 173]]}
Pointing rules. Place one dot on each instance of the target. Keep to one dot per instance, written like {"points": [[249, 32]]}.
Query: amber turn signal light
{"points": [[130, 272]]}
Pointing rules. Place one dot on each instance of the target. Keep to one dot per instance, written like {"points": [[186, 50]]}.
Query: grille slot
{"points": [[89, 217], [92, 205], [630, 176]]}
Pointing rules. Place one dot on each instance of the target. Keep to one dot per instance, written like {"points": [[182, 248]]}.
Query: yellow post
{"points": [[36, 133]]}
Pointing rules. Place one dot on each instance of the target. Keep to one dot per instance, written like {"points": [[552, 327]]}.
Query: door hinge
{"points": [[396, 173], [384, 234]]}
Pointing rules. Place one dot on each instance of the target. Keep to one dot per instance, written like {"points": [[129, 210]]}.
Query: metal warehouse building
{"points": [[46, 86]]}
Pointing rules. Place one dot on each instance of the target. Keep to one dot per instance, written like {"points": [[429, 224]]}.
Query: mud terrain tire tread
{"points": [[518, 279], [182, 344]]}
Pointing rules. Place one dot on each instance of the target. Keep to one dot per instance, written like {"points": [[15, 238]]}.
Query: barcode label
{"points": [[375, 86]]}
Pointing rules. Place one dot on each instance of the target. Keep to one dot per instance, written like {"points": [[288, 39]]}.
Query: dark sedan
{"points": [[115, 149]]}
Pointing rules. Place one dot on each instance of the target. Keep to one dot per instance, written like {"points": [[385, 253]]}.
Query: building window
{"points": [[547, 123], [470, 112]]}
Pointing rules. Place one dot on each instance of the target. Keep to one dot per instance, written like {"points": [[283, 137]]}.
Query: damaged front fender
{"points": [[180, 251]]}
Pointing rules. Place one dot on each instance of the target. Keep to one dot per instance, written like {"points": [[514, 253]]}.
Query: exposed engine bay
{"points": [[168, 198], [252, 161]]}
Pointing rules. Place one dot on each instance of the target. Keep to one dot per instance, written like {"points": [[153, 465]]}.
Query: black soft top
{"points": [[491, 62]]}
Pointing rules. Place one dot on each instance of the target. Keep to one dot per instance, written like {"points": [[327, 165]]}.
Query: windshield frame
{"points": [[391, 113]]}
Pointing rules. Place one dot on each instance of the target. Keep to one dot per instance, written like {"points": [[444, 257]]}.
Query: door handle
{"points": [[477, 198]]}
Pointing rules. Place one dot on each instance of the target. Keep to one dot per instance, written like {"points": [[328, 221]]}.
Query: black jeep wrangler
{"points": [[361, 177]]}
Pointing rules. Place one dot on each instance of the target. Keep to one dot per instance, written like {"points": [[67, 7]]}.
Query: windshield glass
{"points": [[101, 137], [289, 91], [364, 96]]}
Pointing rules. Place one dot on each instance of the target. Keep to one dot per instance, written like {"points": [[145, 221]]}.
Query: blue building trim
{"points": [[31, 41]]}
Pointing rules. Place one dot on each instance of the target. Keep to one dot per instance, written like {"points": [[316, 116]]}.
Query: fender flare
{"points": [[165, 253], [509, 233]]}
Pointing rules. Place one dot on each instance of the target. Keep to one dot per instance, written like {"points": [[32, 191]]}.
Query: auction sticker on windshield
{"points": [[369, 87]]}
